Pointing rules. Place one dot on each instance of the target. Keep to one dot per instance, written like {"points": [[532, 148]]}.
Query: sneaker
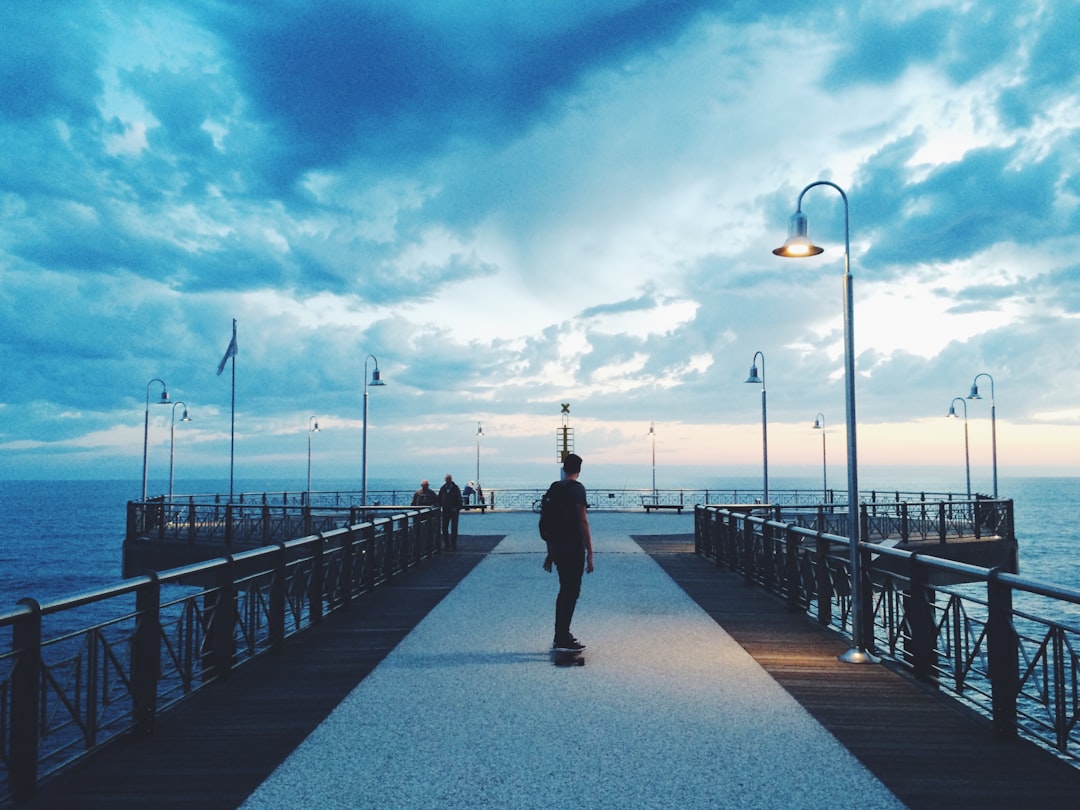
{"points": [[569, 644]]}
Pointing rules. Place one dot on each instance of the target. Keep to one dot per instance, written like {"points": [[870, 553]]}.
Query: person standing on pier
{"points": [[571, 552], [450, 504], [425, 496]]}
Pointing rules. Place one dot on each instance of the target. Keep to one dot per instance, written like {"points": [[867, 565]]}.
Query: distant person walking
{"points": [[450, 504], [425, 496], [571, 552]]}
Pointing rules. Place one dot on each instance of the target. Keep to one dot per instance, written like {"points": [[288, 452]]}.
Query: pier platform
{"points": [[438, 691]]}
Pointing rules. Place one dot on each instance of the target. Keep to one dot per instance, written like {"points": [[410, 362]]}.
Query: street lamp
{"points": [[993, 420], [652, 432], [146, 425], [967, 455], [375, 380], [172, 441], [312, 427], [754, 378], [479, 433], [819, 424], [798, 245]]}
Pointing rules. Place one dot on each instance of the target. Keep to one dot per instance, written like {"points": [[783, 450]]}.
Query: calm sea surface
{"points": [[61, 538]]}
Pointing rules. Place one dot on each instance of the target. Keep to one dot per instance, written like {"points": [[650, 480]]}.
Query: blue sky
{"points": [[512, 206]]}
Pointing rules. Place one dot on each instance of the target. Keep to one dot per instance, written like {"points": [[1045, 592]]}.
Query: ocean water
{"points": [[62, 538]]}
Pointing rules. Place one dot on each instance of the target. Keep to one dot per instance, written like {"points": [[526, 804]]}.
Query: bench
{"points": [[678, 507], [650, 502]]}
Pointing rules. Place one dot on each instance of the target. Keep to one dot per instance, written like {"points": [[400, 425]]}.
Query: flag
{"points": [[229, 352]]}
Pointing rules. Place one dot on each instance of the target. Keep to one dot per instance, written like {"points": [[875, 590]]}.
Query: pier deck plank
{"points": [[930, 751]]}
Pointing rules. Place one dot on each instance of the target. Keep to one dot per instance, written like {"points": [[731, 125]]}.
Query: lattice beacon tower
{"points": [[564, 436]]}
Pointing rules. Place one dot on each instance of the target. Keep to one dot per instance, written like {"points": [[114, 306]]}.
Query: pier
{"points": [[700, 690]]}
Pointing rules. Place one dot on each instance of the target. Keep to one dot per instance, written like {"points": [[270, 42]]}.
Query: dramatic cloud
{"points": [[511, 208]]}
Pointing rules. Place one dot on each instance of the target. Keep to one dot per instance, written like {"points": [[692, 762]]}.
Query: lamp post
{"points": [[172, 441], [967, 455], [798, 245], [479, 433], [993, 420], [146, 425], [652, 433], [819, 424], [312, 427], [754, 378], [375, 380]]}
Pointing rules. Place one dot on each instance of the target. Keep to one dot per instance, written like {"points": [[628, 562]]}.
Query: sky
{"points": [[509, 206]]}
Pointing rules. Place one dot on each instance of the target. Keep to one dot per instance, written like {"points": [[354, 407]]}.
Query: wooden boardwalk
{"points": [[214, 750], [931, 752], [211, 751]]}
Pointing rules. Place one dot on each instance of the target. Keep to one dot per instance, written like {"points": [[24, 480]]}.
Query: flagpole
{"points": [[230, 354], [232, 426]]}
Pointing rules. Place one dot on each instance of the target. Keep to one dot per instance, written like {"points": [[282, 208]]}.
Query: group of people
{"points": [[449, 499], [571, 554]]}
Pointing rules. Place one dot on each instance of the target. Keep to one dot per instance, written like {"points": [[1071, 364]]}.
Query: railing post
{"points": [[867, 607], [192, 530], [228, 525], [25, 701], [276, 609], [347, 551], [220, 637], [823, 580], [315, 588], [768, 557], [748, 550], [791, 567], [941, 522], [921, 621], [146, 655], [1003, 650], [905, 527]]}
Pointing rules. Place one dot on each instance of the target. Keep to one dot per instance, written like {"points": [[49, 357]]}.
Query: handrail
{"points": [[1015, 663], [154, 640]]}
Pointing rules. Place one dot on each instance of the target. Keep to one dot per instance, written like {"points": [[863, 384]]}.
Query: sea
{"points": [[63, 538]]}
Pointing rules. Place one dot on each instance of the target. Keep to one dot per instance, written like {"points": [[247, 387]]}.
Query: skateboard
{"points": [[567, 658]]}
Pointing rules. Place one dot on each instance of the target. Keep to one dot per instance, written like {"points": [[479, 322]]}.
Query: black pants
{"points": [[449, 528], [571, 568]]}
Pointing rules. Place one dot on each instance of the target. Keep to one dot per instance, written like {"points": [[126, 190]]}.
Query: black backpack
{"points": [[555, 514]]}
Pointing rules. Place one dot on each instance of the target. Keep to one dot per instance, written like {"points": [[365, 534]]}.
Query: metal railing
{"points": [[151, 641], [953, 625]]}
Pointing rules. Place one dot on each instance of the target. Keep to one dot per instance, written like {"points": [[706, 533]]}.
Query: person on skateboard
{"points": [[571, 552]]}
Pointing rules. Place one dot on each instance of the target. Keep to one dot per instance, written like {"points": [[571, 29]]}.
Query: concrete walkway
{"points": [[668, 712]]}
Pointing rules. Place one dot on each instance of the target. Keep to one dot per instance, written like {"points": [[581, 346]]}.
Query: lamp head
{"points": [[753, 378], [185, 417], [315, 429], [375, 378], [974, 392], [952, 412], [164, 397], [817, 424], [798, 244]]}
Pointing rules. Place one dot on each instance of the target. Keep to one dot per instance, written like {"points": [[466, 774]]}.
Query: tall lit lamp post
{"points": [[312, 427], [164, 400], [479, 433], [967, 455], [819, 424], [375, 380], [652, 433], [755, 378], [798, 245], [993, 420], [172, 441]]}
